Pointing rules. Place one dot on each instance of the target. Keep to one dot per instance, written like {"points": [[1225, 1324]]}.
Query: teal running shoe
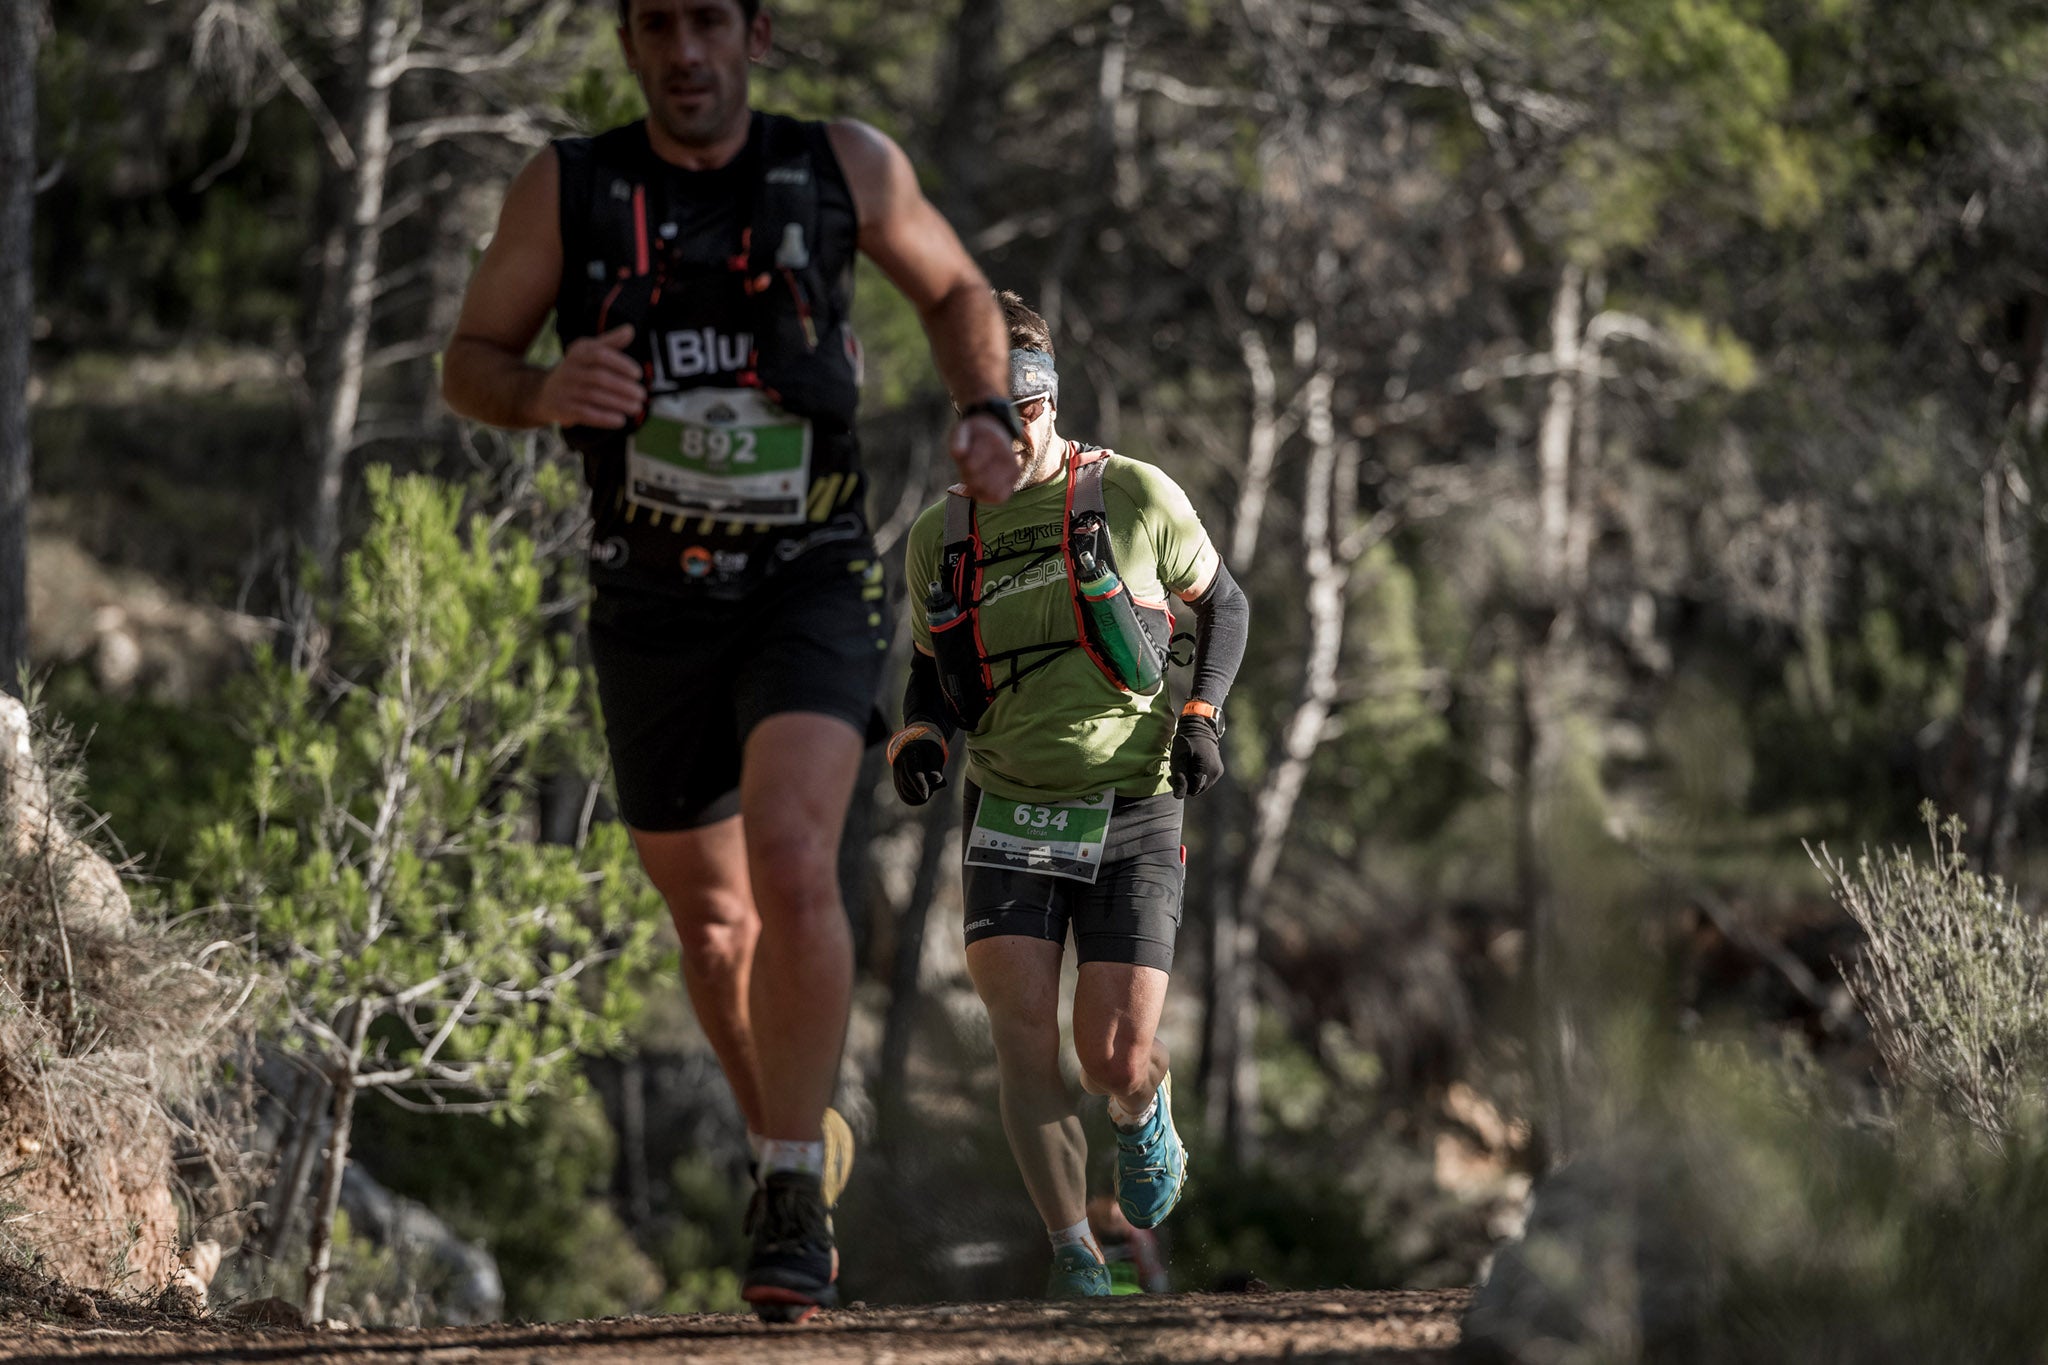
{"points": [[1076, 1274], [1151, 1165]]}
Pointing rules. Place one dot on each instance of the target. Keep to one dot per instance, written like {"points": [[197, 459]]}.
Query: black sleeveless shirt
{"points": [[738, 283]]}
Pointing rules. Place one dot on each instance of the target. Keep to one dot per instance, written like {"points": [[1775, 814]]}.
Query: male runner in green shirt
{"points": [[1077, 765]]}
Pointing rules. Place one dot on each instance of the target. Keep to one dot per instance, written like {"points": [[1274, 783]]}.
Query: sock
{"points": [[778, 1154], [1128, 1121], [755, 1142], [1079, 1235]]}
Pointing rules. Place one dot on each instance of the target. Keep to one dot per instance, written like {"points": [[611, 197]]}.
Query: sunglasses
{"points": [[1027, 408]]}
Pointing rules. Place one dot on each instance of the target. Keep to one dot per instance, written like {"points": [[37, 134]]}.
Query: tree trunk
{"points": [[293, 1171], [342, 338], [1579, 513], [1225, 1072], [856, 865], [1554, 442], [18, 38], [633, 1143], [1234, 1094], [1547, 625], [320, 1240], [899, 1026], [969, 110]]}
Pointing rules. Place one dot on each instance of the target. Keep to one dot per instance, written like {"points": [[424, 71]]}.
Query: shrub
{"points": [[1953, 979]]}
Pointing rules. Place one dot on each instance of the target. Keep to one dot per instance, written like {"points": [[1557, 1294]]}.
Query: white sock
{"points": [[1128, 1121], [755, 1142], [778, 1154], [1079, 1235]]}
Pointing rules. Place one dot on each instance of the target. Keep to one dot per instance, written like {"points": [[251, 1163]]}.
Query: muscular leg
{"points": [[1116, 1026], [797, 778], [702, 874], [1018, 979]]}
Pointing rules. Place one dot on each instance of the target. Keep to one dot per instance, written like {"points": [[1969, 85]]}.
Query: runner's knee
{"points": [[795, 872], [721, 939], [1115, 1068], [1021, 1032]]}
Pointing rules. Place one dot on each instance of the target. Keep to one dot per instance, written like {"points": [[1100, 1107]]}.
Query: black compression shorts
{"points": [[683, 683], [1130, 913]]}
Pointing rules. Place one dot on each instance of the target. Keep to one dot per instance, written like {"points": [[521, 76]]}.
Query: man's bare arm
{"points": [[917, 249], [922, 256], [484, 373]]}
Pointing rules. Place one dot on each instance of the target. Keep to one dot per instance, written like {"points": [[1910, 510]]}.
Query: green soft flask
{"points": [[1117, 631]]}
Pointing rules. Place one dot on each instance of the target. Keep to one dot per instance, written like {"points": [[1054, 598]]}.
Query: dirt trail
{"points": [[1410, 1327]]}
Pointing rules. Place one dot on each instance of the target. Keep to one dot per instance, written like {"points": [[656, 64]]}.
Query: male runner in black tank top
{"points": [[699, 265]]}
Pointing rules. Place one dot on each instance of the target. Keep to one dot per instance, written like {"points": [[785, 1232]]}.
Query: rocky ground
{"points": [[1327, 1328]]}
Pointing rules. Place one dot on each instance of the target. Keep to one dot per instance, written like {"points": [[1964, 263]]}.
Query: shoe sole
{"points": [[787, 1303], [789, 1312], [838, 1158]]}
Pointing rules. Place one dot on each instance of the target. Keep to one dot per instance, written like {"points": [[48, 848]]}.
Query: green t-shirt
{"points": [[1067, 730]]}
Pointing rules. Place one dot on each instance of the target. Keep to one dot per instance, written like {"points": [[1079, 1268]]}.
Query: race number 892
{"points": [[718, 446]]}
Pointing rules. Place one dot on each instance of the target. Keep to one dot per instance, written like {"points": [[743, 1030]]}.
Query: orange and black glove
{"points": [[1196, 761], [917, 761]]}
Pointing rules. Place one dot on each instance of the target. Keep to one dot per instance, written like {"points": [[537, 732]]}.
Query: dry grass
{"points": [[114, 1029]]}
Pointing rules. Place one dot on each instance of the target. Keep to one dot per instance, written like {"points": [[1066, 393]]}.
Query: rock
{"points": [[92, 893], [471, 1290], [75, 1303], [202, 1258], [1612, 1264], [116, 653], [183, 1296], [197, 1265]]}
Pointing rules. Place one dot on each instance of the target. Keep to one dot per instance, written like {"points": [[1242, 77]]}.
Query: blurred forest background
{"points": [[1627, 417]]}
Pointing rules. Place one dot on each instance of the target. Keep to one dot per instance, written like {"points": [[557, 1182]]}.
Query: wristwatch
{"points": [[1002, 409], [1197, 707]]}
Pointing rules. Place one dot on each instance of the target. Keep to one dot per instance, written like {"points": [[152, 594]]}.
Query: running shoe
{"points": [[1151, 1164], [793, 1268], [1076, 1274]]}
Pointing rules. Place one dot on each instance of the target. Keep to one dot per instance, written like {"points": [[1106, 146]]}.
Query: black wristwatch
{"points": [[1002, 409]]}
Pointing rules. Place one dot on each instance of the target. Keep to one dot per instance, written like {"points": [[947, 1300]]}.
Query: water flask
{"points": [[1116, 623], [939, 606]]}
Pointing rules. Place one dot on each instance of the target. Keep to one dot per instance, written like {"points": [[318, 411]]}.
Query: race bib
{"points": [[1054, 838], [725, 453]]}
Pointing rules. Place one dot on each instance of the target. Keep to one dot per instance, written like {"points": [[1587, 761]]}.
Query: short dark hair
{"points": [[748, 9], [1028, 331]]}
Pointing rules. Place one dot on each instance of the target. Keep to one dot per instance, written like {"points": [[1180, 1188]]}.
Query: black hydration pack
{"points": [[1128, 639], [751, 298]]}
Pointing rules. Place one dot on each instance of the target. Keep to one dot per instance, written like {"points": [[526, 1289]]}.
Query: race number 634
{"points": [[1038, 817]]}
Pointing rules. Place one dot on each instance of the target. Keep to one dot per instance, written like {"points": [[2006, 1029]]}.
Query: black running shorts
{"points": [[1131, 912], [683, 683]]}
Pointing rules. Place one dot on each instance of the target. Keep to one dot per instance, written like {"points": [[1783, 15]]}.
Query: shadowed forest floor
{"points": [[1324, 1328]]}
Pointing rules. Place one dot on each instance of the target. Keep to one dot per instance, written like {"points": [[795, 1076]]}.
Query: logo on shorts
{"points": [[730, 562], [609, 554], [697, 562], [978, 924]]}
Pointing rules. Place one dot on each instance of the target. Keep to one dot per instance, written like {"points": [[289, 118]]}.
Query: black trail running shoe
{"points": [[793, 1268]]}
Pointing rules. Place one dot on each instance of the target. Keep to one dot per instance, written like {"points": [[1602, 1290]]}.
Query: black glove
{"points": [[917, 761], [1197, 761]]}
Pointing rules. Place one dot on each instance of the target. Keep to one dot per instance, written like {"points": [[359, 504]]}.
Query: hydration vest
{"points": [[751, 305], [1128, 639]]}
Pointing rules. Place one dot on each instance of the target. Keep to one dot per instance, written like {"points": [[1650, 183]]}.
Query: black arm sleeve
{"points": [[1223, 617], [922, 697]]}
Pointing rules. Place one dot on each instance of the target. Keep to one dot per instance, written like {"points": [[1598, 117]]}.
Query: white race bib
{"points": [[1055, 838], [730, 454]]}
